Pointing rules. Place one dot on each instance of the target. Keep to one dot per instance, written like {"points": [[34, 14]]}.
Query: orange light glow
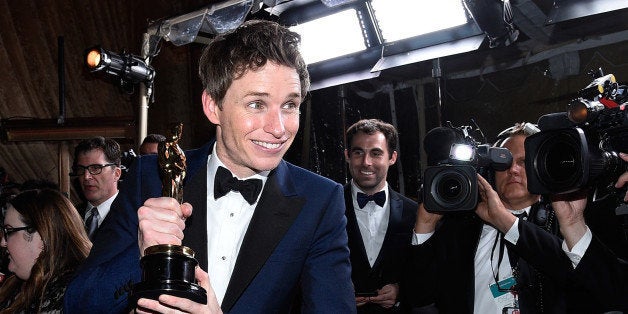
{"points": [[93, 58]]}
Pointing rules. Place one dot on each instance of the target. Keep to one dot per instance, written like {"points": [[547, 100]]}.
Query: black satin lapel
{"points": [[273, 216], [195, 233], [356, 243]]}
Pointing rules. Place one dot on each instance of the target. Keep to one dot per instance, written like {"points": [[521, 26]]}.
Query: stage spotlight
{"points": [[127, 67]]}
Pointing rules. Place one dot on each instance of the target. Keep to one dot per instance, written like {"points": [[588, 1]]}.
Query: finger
{"points": [[161, 232], [166, 203], [379, 297], [622, 180], [182, 304], [202, 279], [186, 210], [150, 306], [160, 220], [483, 183]]}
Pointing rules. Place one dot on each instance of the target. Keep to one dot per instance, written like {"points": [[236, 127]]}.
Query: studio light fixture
{"points": [[401, 19], [128, 68], [339, 33]]}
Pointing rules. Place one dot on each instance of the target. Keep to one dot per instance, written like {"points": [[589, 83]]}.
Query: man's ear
{"points": [[210, 108], [346, 155], [118, 173], [393, 158]]}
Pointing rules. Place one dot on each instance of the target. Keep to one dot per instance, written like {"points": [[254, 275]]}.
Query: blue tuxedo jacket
{"points": [[296, 243]]}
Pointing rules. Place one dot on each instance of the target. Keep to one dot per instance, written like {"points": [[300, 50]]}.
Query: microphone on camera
{"points": [[437, 144]]}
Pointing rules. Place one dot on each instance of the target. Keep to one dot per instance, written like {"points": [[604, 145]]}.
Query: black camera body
{"points": [[452, 184], [580, 147]]}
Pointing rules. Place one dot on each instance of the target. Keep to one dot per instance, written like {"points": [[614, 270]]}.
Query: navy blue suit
{"points": [[390, 261], [296, 241]]}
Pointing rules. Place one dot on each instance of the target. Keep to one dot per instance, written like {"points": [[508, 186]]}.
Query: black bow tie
{"points": [[379, 198], [225, 182]]}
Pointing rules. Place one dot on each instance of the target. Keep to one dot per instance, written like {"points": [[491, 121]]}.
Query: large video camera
{"points": [[579, 148], [451, 185]]}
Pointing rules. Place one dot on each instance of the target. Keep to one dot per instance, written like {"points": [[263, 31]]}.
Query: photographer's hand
{"points": [[491, 209], [569, 209], [623, 179], [425, 221]]}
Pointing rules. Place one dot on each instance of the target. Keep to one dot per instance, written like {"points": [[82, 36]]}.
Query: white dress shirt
{"points": [[228, 218], [103, 209], [372, 221], [485, 268]]}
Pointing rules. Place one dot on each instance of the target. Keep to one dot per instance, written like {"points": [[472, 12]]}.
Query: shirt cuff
{"points": [[420, 238], [578, 250], [512, 235]]}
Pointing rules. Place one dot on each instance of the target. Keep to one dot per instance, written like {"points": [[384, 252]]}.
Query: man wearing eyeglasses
{"points": [[97, 169]]}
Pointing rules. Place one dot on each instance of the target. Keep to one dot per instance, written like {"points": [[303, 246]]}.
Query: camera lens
{"points": [[451, 187], [558, 162]]}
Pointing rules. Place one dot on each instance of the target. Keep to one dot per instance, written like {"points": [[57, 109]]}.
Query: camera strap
{"points": [[502, 244], [499, 238], [512, 257], [504, 291]]}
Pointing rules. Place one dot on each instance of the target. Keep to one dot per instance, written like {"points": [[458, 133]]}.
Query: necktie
{"points": [[91, 224], [225, 182], [379, 198]]}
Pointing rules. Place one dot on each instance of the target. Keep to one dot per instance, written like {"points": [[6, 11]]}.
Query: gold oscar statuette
{"points": [[166, 268]]}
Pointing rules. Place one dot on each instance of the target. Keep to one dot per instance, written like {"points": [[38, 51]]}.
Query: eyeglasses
{"points": [[8, 231], [94, 169]]}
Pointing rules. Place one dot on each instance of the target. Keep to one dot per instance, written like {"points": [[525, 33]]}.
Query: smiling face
{"points": [[512, 184], [369, 160], [258, 120], [97, 188], [23, 248]]}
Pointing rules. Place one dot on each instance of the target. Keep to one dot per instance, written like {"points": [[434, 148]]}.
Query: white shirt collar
{"points": [[213, 162]]}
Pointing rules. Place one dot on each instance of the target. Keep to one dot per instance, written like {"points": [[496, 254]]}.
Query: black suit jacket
{"points": [[441, 275], [393, 254]]}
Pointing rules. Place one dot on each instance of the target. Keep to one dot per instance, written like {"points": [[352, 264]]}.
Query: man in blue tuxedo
{"points": [[260, 250], [379, 220]]}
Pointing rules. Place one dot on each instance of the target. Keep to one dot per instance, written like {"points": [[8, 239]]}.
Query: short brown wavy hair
{"points": [[250, 47]]}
